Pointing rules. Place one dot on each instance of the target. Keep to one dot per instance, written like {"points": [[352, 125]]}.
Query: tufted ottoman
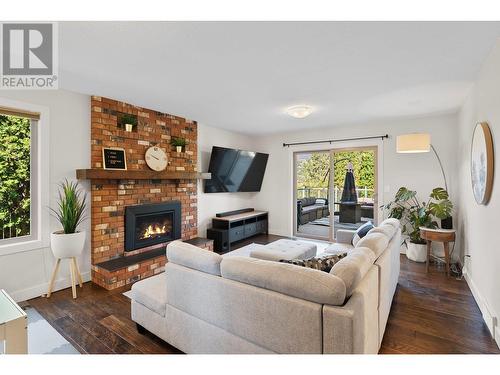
{"points": [[285, 249]]}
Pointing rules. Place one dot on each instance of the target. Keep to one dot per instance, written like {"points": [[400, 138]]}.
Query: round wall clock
{"points": [[156, 158], [482, 160]]}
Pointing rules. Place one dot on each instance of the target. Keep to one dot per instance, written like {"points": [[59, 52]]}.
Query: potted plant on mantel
{"points": [[414, 214], [129, 121], [179, 143], [69, 242]]}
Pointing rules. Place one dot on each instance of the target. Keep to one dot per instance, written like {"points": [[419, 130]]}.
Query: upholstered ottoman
{"points": [[285, 249]]}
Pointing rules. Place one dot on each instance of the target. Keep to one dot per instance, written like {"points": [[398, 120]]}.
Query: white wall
{"points": [[212, 203], [477, 224], [417, 171], [26, 274]]}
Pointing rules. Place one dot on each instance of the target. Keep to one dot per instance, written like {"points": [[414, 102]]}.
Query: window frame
{"points": [[39, 181]]}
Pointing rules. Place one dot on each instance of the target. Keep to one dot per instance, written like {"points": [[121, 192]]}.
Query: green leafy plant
{"points": [[71, 206], [178, 142], [128, 118], [414, 214]]}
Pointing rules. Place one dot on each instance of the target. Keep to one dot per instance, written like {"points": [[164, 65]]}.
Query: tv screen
{"points": [[235, 170]]}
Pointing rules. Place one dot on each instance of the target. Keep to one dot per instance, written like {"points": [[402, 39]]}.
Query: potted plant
{"points": [[129, 121], [179, 143], [69, 242], [414, 214]]}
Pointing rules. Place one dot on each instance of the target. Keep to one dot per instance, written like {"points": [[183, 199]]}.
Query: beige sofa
{"points": [[207, 303]]}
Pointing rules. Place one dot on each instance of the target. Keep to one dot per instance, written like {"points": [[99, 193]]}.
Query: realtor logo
{"points": [[29, 56]]}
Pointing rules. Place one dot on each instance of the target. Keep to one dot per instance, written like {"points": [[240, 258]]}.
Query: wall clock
{"points": [[482, 161], [156, 158]]}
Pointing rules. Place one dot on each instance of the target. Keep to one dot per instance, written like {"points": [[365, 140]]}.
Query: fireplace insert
{"points": [[151, 224]]}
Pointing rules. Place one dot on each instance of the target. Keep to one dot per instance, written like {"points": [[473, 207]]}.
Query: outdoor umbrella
{"points": [[349, 192]]}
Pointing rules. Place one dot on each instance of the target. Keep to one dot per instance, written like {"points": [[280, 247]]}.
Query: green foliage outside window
{"points": [[15, 141], [312, 169]]}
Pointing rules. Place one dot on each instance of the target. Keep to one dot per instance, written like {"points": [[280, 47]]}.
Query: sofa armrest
{"points": [[345, 236]]}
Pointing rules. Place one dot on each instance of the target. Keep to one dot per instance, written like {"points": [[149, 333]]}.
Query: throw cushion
{"points": [[324, 263], [361, 232]]}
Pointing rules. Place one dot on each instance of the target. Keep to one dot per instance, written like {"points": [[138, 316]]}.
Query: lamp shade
{"points": [[413, 143]]}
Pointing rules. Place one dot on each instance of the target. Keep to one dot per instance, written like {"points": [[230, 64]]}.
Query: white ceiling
{"points": [[241, 76]]}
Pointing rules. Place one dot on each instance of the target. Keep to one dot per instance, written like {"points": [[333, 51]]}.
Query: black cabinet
{"points": [[227, 229]]}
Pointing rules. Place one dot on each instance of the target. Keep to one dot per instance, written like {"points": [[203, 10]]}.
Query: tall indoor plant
{"points": [[414, 214], [69, 242]]}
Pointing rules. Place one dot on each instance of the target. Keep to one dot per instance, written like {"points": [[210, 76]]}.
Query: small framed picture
{"points": [[114, 158]]}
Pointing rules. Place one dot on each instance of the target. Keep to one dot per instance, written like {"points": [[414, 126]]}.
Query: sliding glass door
{"points": [[334, 189]]}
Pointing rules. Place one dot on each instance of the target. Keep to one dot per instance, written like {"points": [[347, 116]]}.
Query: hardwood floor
{"points": [[430, 314]]}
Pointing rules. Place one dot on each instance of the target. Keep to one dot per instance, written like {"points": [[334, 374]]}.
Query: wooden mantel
{"points": [[107, 174]]}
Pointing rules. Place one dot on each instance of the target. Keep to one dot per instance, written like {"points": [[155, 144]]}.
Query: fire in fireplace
{"points": [[150, 224]]}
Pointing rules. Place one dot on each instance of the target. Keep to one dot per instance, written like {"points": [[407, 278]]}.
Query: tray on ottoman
{"points": [[285, 249]]}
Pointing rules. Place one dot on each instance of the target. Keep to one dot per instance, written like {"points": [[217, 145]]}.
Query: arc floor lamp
{"points": [[418, 143]]}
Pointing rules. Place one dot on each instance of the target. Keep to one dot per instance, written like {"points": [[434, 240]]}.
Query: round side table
{"points": [[438, 235]]}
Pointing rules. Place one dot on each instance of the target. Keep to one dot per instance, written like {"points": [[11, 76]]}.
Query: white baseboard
{"points": [[40, 289], [489, 318]]}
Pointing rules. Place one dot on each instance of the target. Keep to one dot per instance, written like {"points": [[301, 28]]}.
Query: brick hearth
{"points": [[110, 197]]}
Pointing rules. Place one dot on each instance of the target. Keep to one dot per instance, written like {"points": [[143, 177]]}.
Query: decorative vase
{"points": [[417, 252], [129, 127], [178, 148], [67, 245]]}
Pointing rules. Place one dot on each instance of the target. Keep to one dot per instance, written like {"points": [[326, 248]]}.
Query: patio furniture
{"points": [[310, 209], [350, 212]]}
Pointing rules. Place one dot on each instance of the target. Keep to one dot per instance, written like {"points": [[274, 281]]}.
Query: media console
{"points": [[229, 227]]}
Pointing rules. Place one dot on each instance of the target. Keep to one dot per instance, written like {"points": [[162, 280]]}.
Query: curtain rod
{"points": [[336, 140]]}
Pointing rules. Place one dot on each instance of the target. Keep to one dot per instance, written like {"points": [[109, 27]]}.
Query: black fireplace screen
{"points": [[150, 224]]}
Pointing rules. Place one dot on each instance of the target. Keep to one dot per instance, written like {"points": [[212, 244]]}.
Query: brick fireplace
{"points": [[111, 198]]}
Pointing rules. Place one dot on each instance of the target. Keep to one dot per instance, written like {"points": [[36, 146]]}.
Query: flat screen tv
{"points": [[235, 170]]}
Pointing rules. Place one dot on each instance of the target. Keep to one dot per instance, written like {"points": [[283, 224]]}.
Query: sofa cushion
{"points": [[338, 248], [323, 263], [391, 221], [303, 283], [152, 293], [386, 229], [353, 268], [361, 232], [376, 242], [194, 257]]}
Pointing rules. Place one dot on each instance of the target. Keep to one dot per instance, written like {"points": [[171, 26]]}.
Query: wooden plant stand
{"points": [[75, 274]]}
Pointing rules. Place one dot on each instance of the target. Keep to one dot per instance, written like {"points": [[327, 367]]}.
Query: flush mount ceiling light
{"points": [[299, 111]]}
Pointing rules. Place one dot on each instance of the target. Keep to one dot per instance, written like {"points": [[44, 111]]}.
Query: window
{"points": [[18, 182]]}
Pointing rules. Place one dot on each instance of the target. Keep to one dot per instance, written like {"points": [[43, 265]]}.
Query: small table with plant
{"points": [[438, 235], [415, 214]]}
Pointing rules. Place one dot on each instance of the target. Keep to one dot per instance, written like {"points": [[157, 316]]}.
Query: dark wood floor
{"points": [[430, 314]]}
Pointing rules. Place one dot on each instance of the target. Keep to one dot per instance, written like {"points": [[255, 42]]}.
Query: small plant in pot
{"points": [[414, 214], [179, 143], [69, 242], [129, 121]]}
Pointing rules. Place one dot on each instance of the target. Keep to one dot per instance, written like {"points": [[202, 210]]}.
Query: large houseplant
{"points": [[414, 214], [69, 242]]}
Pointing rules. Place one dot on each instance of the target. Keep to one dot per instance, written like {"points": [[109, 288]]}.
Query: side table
{"points": [[438, 235]]}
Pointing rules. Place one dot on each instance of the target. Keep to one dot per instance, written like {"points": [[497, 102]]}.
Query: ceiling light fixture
{"points": [[299, 111]]}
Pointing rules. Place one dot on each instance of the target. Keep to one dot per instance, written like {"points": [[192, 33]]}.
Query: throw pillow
{"points": [[324, 263], [361, 232]]}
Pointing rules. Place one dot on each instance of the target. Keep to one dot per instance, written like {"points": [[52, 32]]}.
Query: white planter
{"points": [[129, 127], [416, 252], [178, 148], [67, 245]]}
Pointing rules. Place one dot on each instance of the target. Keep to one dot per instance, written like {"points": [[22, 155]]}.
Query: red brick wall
{"points": [[109, 197]]}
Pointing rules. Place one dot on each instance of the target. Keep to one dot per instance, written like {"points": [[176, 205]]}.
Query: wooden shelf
{"points": [[106, 174]]}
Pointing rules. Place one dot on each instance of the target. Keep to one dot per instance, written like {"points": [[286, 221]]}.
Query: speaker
{"points": [[221, 239]]}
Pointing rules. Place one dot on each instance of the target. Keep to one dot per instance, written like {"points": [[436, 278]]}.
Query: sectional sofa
{"points": [[207, 303]]}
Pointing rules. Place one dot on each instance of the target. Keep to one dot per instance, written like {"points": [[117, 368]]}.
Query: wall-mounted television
{"points": [[235, 170]]}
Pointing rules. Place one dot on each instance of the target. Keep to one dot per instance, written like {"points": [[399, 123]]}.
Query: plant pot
{"points": [[447, 223], [67, 245], [178, 148], [129, 127], [417, 252]]}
